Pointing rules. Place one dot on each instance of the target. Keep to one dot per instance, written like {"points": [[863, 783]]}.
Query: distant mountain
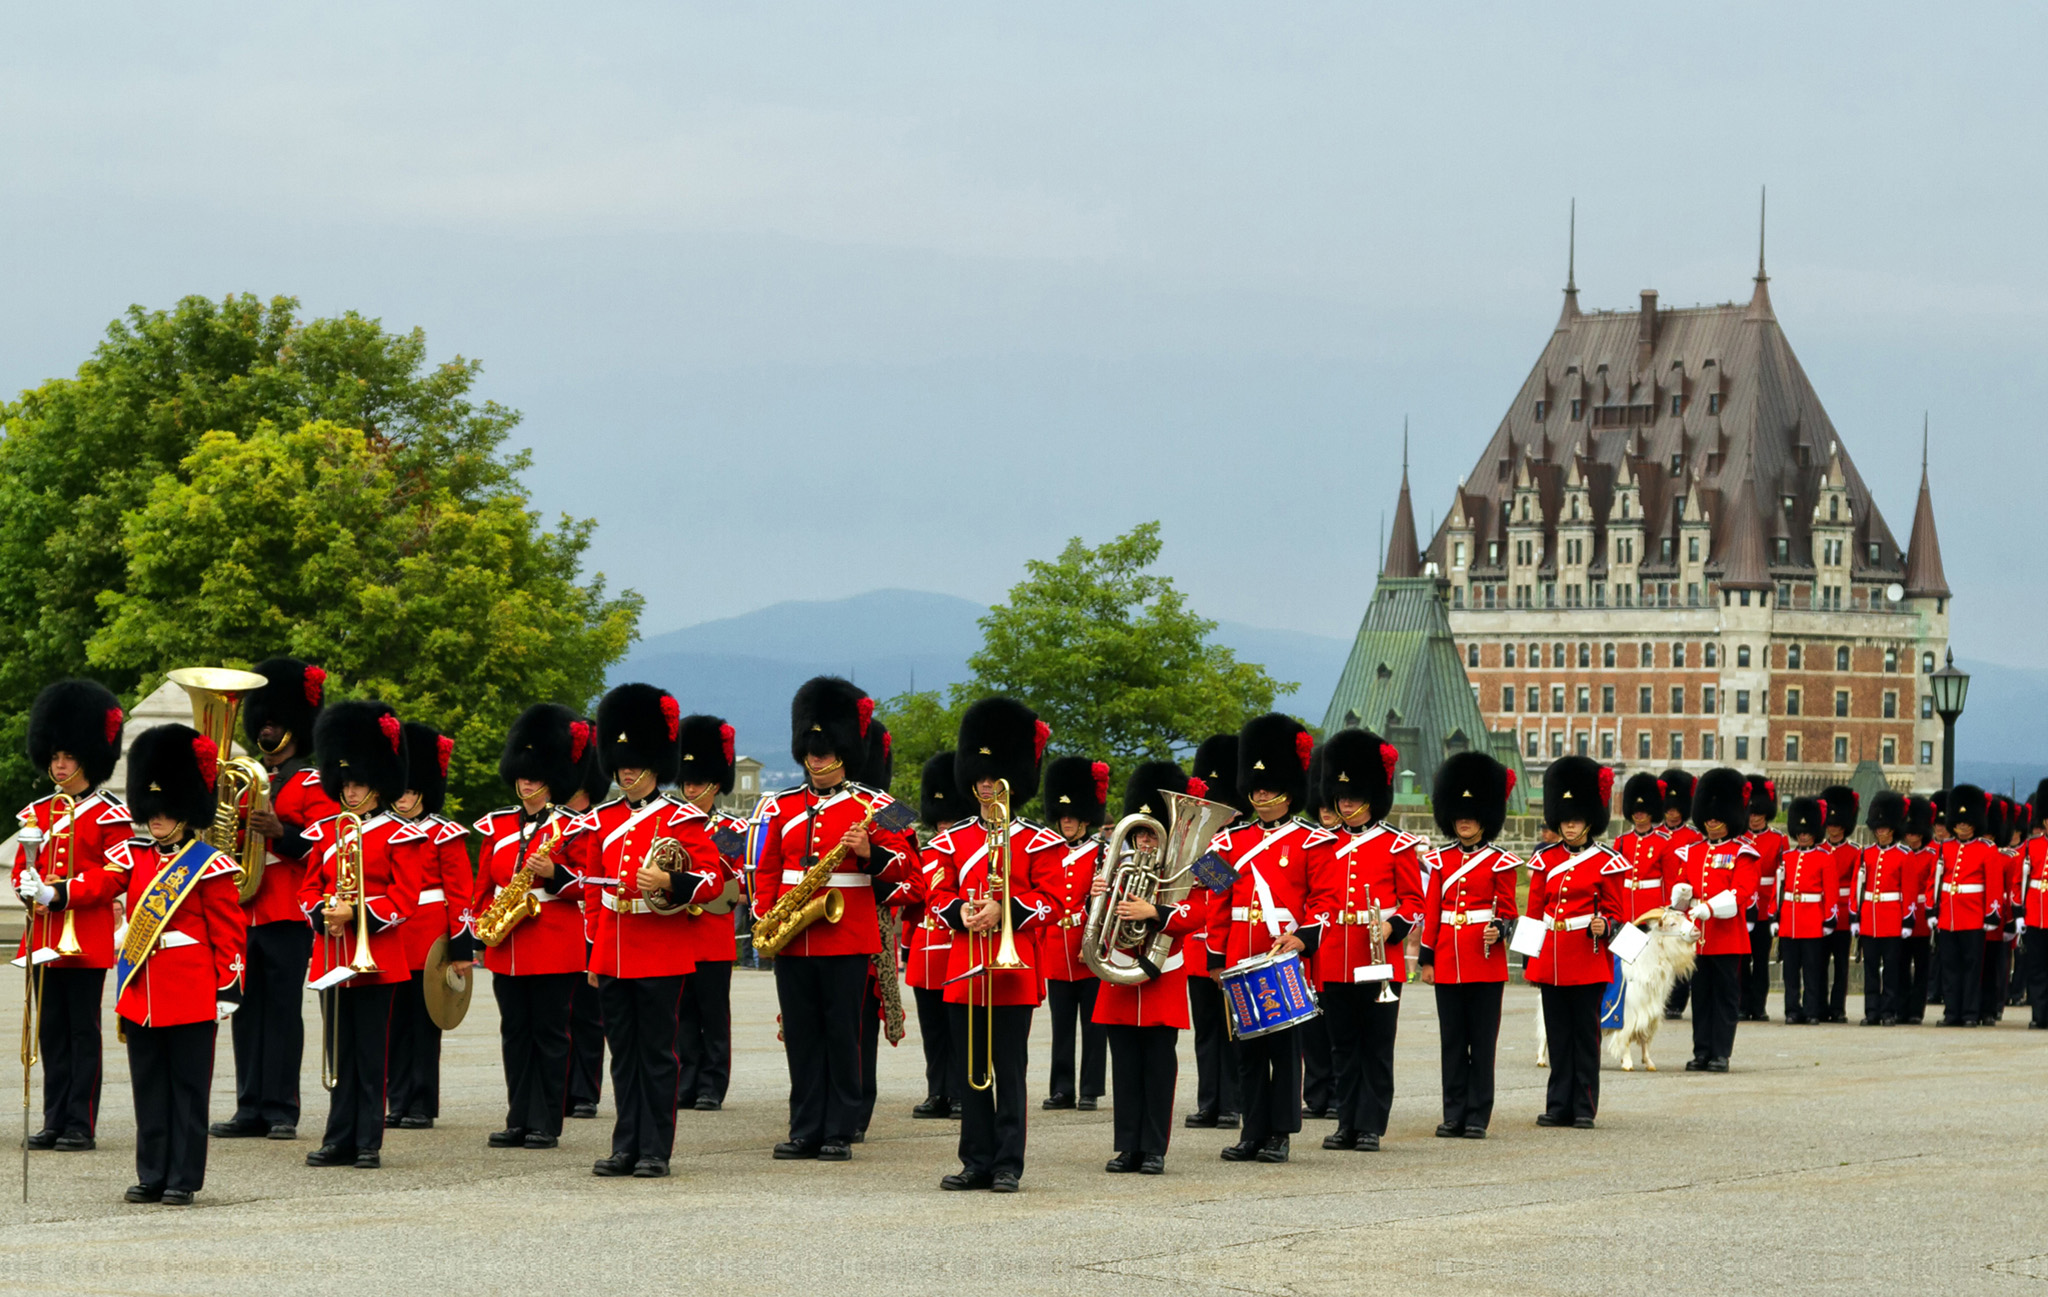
{"points": [[2001, 742]]}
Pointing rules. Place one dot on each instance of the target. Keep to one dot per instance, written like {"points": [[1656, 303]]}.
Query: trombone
{"points": [[1004, 958], [348, 890], [62, 845]]}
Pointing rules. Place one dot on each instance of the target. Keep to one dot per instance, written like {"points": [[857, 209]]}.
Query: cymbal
{"points": [[445, 991]]}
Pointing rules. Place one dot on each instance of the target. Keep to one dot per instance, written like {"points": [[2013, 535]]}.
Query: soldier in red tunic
{"points": [[1318, 1070], [1769, 844], [1143, 1010], [1720, 879], [1467, 915], [2000, 909], [1000, 740], [1966, 866], [2033, 911], [821, 976], [1575, 896], [931, 943], [1806, 910], [1915, 946], [878, 770], [1844, 805], [269, 1031], [1216, 1069], [1646, 846], [180, 973], [360, 749], [593, 788], [74, 737], [1885, 895], [413, 1087], [705, 1043], [1076, 800], [1678, 790]]}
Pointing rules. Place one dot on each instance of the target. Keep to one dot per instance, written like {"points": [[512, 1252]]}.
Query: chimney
{"points": [[1646, 326]]}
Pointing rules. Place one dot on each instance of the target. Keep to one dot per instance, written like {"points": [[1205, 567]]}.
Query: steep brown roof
{"points": [[1924, 576], [1740, 540], [1403, 556]]}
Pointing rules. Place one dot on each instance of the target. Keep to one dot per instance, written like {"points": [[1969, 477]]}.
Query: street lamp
{"points": [[1949, 687]]}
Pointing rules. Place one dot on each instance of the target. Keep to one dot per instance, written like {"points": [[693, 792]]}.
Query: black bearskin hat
{"points": [[1920, 818], [1968, 804], [706, 752], [550, 745], [829, 717], [1145, 791], [1643, 792], [1272, 757], [1808, 815], [1359, 765], [877, 767], [2039, 800], [1077, 787], [1887, 811], [171, 771], [1842, 806], [1000, 738], [361, 742], [938, 796], [1763, 797], [1998, 820], [78, 717], [1721, 794], [426, 762], [637, 727], [1312, 803], [291, 700], [1678, 786], [1216, 766], [1471, 786], [1577, 788]]}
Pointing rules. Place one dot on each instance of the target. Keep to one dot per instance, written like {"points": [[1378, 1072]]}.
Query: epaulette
{"points": [[1317, 835], [219, 863], [687, 811], [1042, 838]]}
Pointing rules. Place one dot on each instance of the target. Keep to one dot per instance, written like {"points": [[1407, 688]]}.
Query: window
{"points": [[1926, 707], [1535, 655], [1550, 594], [1842, 658], [1677, 403], [1643, 700], [1891, 658], [1706, 747], [1926, 754], [1792, 658], [1742, 702], [1841, 749], [1542, 408], [1607, 745], [1677, 656], [1834, 508], [1585, 700], [1677, 467], [1841, 702], [1713, 403], [1791, 702], [1557, 743], [1666, 549], [1457, 596], [1507, 655], [1707, 700], [1643, 745], [1607, 655], [1607, 700], [1535, 699], [1712, 653], [1781, 550], [1791, 747], [1692, 549], [1458, 554], [1492, 553], [1678, 700], [1557, 656], [1742, 655], [1677, 746], [1472, 655], [1585, 656], [1533, 749], [1557, 698], [1507, 698], [1876, 553], [1891, 704], [1889, 752], [1599, 596], [1742, 748], [1578, 408], [1692, 594]]}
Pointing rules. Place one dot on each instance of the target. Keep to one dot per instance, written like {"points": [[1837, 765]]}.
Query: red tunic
{"points": [[1848, 857], [1069, 874], [1566, 889], [552, 940], [1920, 920], [1680, 838], [299, 803], [1723, 873], [800, 826], [1884, 893], [1348, 874], [1161, 1001], [2002, 902], [1963, 872], [1270, 896], [1770, 845], [99, 823], [2034, 880], [391, 889], [1652, 869], [1806, 892], [198, 959], [1468, 891], [931, 941], [711, 936], [959, 857], [632, 940]]}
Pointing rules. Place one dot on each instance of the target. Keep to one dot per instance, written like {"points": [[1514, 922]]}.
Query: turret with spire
{"points": [[1404, 555], [1924, 577], [1571, 271], [1760, 300]]}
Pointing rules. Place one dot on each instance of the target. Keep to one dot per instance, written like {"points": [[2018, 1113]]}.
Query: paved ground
{"points": [[1833, 1159]]}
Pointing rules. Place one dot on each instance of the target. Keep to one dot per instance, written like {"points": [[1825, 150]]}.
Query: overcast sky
{"points": [[800, 300]]}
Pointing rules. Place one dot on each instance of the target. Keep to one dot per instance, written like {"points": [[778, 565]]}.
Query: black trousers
{"points": [[1716, 1005], [1468, 1015], [586, 1044], [171, 1070], [1837, 948], [935, 1033], [2034, 969], [1073, 1004], [1269, 1083], [1994, 979], [1756, 971], [1318, 1068], [533, 1039], [269, 1030], [992, 1120], [413, 1082], [1916, 953], [1146, 1067], [1362, 1052], [68, 1037], [821, 998], [1217, 1072], [1805, 991], [362, 1027], [1681, 992], [870, 1054], [1962, 968], [705, 1022], [640, 1027], [1571, 1022], [1883, 977]]}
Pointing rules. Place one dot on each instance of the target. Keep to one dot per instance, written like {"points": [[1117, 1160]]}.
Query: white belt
{"points": [[1807, 898], [1880, 896], [172, 940], [631, 905], [1254, 914], [1460, 918], [433, 894], [1962, 889], [2039, 884], [791, 877], [1641, 884], [1572, 925]]}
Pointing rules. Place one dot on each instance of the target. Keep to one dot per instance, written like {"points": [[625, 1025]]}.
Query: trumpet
{"points": [[348, 890], [1379, 947], [1130, 954], [1004, 958]]}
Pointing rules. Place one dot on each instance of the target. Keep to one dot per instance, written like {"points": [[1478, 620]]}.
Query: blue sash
{"points": [[167, 891], [1612, 998]]}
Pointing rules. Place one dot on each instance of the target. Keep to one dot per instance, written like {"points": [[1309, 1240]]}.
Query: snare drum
{"points": [[1267, 993]]}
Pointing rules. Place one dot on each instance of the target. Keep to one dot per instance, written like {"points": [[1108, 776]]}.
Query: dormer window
{"points": [[1787, 501], [1876, 553], [1664, 549], [1677, 405], [1542, 408], [1713, 403], [1781, 550], [1677, 465], [1492, 552], [1525, 508], [1575, 508], [1834, 508], [1578, 408]]}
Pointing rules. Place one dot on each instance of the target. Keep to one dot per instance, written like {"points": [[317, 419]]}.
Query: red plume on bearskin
{"points": [[393, 729], [207, 754], [443, 750], [579, 739], [865, 711], [1304, 747], [1606, 784], [1197, 786], [114, 719], [1041, 734], [1771, 787], [1822, 802], [1509, 790], [1390, 757], [314, 683], [671, 715], [1099, 771], [725, 739]]}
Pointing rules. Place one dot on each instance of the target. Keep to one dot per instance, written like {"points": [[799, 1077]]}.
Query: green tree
{"points": [[921, 725], [413, 570]]}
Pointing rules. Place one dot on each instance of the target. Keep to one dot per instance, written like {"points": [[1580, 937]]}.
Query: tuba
{"points": [[216, 694], [1129, 954]]}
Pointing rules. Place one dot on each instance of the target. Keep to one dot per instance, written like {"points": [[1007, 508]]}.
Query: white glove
{"points": [[1698, 913], [1774, 927], [1681, 896], [1722, 906], [33, 890], [222, 1010]]}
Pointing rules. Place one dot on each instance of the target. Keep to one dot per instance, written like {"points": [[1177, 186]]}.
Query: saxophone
{"points": [[515, 902], [801, 906]]}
